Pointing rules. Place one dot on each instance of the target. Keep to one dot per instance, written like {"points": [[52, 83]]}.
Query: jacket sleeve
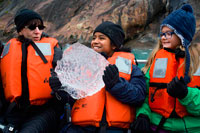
{"points": [[57, 55], [192, 101], [130, 92], [145, 109]]}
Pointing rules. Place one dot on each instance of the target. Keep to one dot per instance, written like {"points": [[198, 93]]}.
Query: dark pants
{"points": [[70, 128], [36, 119]]}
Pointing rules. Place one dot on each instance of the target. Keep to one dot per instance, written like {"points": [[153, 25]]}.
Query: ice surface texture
{"points": [[80, 71]]}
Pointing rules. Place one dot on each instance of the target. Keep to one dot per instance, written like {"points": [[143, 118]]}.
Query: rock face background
{"points": [[75, 20]]}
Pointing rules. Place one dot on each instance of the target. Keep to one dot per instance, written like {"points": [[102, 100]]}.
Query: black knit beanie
{"points": [[113, 31], [23, 16]]}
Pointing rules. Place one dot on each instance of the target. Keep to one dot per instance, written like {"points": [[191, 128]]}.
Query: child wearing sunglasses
{"points": [[112, 109], [25, 69], [172, 77]]}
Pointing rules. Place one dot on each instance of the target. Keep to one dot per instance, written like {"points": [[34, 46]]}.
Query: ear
{"points": [[113, 47], [20, 33]]}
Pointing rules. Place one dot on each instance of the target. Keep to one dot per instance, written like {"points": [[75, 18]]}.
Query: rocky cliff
{"points": [[75, 20]]}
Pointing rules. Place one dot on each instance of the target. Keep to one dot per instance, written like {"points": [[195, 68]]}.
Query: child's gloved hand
{"points": [[141, 124], [111, 76], [177, 88]]}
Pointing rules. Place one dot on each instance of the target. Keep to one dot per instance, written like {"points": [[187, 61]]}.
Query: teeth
{"points": [[96, 47]]}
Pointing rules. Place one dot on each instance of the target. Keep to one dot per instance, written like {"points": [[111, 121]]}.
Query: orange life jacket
{"points": [[195, 80], [88, 111], [163, 69], [38, 72]]}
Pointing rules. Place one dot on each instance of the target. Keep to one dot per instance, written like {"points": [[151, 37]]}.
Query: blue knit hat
{"points": [[112, 31], [183, 22]]}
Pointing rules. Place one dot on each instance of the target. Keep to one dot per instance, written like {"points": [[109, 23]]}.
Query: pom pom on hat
{"points": [[113, 31], [187, 8], [24, 16]]}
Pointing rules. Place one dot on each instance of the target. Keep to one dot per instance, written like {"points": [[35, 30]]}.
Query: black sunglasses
{"points": [[33, 27]]}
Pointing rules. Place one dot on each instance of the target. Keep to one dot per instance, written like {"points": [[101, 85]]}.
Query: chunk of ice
{"points": [[80, 71]]}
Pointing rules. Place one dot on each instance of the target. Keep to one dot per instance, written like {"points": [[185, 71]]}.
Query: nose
{"points": [[163, 37], [37, 30], [95, 40]]}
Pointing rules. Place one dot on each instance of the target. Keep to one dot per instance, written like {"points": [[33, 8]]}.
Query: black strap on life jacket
{"points": [[103, 122], [158, 87], [3, 104], [178, 52], [161, 123], [24, 99], [136, 62], [198, 87], [39, 52]]}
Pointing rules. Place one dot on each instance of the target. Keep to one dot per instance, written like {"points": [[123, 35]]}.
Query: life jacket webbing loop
{"points": [[158, 87]]}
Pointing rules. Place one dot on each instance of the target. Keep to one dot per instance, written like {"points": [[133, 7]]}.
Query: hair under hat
{"points": [[183, 22], [24, 16], [113, 31]]}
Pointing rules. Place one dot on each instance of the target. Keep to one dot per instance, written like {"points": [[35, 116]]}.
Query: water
{"points": [[141, 54]]}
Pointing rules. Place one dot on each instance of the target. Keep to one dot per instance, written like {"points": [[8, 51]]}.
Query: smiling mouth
{"points": [[95, 47], [165, 43]]}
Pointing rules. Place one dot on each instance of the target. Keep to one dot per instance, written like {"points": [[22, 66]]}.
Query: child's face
{"points": [[169, 40], [101, 43]]}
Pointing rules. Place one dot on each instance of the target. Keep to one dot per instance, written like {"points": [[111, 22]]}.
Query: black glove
{"points": [[111, 76], [54, 81], [177, 88], [58, 91], [141, 124]]}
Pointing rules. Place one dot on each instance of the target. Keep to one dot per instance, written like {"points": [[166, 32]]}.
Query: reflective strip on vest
{"points": [[45, 48], [160, 68], [124, 65], [197, 73], [5, 50]]}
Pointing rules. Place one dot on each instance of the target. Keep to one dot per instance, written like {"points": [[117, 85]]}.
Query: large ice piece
{"points": [[80, 71]]}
